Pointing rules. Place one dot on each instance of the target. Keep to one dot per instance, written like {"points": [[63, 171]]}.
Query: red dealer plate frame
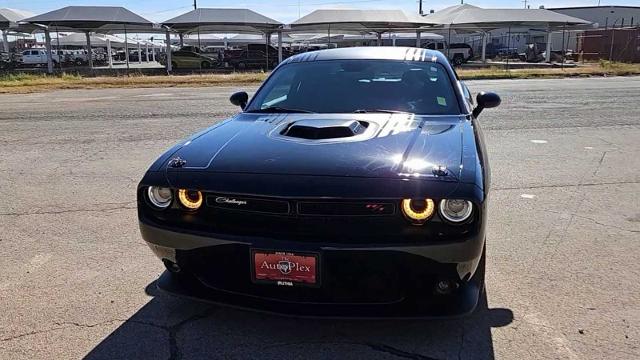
{"points": [[285, 268]]}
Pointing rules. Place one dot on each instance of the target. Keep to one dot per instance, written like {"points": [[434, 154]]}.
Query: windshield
{"points": [[346, 86]]}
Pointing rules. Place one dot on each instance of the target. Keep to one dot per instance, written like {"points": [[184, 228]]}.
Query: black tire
{"points": [[174, 65], [79, 62], [205, 65], [458, 60], [241, 65]]}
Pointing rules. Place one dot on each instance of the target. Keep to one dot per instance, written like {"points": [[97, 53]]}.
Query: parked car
{"points": [[458, 53], [189, 60], [253, 56], [354, 183], [39, 57]]}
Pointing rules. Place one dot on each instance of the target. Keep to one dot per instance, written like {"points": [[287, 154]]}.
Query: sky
{"points": [[289, 10]]}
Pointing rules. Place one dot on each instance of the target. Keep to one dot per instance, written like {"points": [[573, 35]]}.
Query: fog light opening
{"points": [[171, 266], [445, 287]]}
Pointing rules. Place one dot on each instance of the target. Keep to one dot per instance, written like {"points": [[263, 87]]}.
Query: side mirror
{"points": [[240, 98], [486, 100]]}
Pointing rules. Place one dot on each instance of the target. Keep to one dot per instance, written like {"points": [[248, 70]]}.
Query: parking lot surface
{"points": [[563, 239]]}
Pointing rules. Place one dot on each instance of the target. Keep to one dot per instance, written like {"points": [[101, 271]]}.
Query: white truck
{"points": [[39, 57], [458, 53]]}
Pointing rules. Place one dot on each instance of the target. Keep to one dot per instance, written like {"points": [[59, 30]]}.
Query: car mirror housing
{"points": [[240, 98], [486, 100]]}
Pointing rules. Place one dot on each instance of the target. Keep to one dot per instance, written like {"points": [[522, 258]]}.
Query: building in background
{"points": [[615, 35], [605, 16]]}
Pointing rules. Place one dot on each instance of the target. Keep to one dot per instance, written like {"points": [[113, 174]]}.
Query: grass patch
{"points": [[603, 68], [26, 83]]}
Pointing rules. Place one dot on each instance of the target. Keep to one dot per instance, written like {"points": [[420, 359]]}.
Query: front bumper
{"points": [[357, 282]]}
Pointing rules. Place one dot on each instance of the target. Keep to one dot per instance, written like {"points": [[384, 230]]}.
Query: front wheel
{"points": [[174, 65], [458, 60], [205, 65]]}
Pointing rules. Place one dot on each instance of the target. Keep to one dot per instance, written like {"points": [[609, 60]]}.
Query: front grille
{"points": [[248, 204], [366, 208]]}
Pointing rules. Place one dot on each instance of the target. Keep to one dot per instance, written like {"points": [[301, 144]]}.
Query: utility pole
{"points": [[420, 8], [195, 4], [525, 3]]}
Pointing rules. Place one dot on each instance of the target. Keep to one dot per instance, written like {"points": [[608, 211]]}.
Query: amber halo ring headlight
{"points": [[190, 199], [455, 210], [159, 197], [418, 211]]}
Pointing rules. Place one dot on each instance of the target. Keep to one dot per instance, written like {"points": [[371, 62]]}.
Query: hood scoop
{"points": [[325, 129]]}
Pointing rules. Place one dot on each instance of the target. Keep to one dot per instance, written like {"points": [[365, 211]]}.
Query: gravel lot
{"points": [[563, 242]]}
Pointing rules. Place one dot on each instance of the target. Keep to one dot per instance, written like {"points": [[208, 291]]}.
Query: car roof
{"points": [[372, 53]]}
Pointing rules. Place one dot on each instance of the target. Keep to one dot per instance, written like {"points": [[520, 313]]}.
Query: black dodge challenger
{"points": [[353, 184]]}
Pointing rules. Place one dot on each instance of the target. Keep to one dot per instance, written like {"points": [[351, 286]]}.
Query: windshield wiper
{"points": [[277, 109], [364, 111]]}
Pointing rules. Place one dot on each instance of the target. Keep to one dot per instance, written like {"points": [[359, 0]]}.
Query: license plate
{"points": [[284, 268]]}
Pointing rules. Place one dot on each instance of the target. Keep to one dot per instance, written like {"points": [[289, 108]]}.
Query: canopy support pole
{"points": [[146, 45], [126, 47], [393, 39], [139, 52], [109, 57], [58, 47], [267, 36], [329, 36], [484, 47], [89, 52], [379, 39], [199, 51], [547, 56], [169, 66], [279, 46], [181, 39], [153, 52], [508, 47], [449, 43], [563, 51], [613, 36], [5, 40], [47, 39], [418, 38]]}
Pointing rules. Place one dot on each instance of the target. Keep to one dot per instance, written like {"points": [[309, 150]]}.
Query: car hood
{"points": [[393, 146]]}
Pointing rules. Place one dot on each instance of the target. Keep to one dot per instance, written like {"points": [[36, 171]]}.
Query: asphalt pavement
{"points": [[563, 241]]}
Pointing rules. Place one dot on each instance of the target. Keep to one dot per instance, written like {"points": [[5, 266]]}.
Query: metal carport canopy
{"points": [[237, 21], [9, 19], [489, 19], [359, 21], [226, 20], [100, 19], [469, 18]]}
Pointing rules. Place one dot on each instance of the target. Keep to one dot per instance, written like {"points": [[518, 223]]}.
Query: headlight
{"points": [[456, 210], [418, 211], [191, 199], [160, 197]]}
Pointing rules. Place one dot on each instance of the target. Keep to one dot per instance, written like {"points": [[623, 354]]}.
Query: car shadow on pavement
{"points": [[173, 328]]}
